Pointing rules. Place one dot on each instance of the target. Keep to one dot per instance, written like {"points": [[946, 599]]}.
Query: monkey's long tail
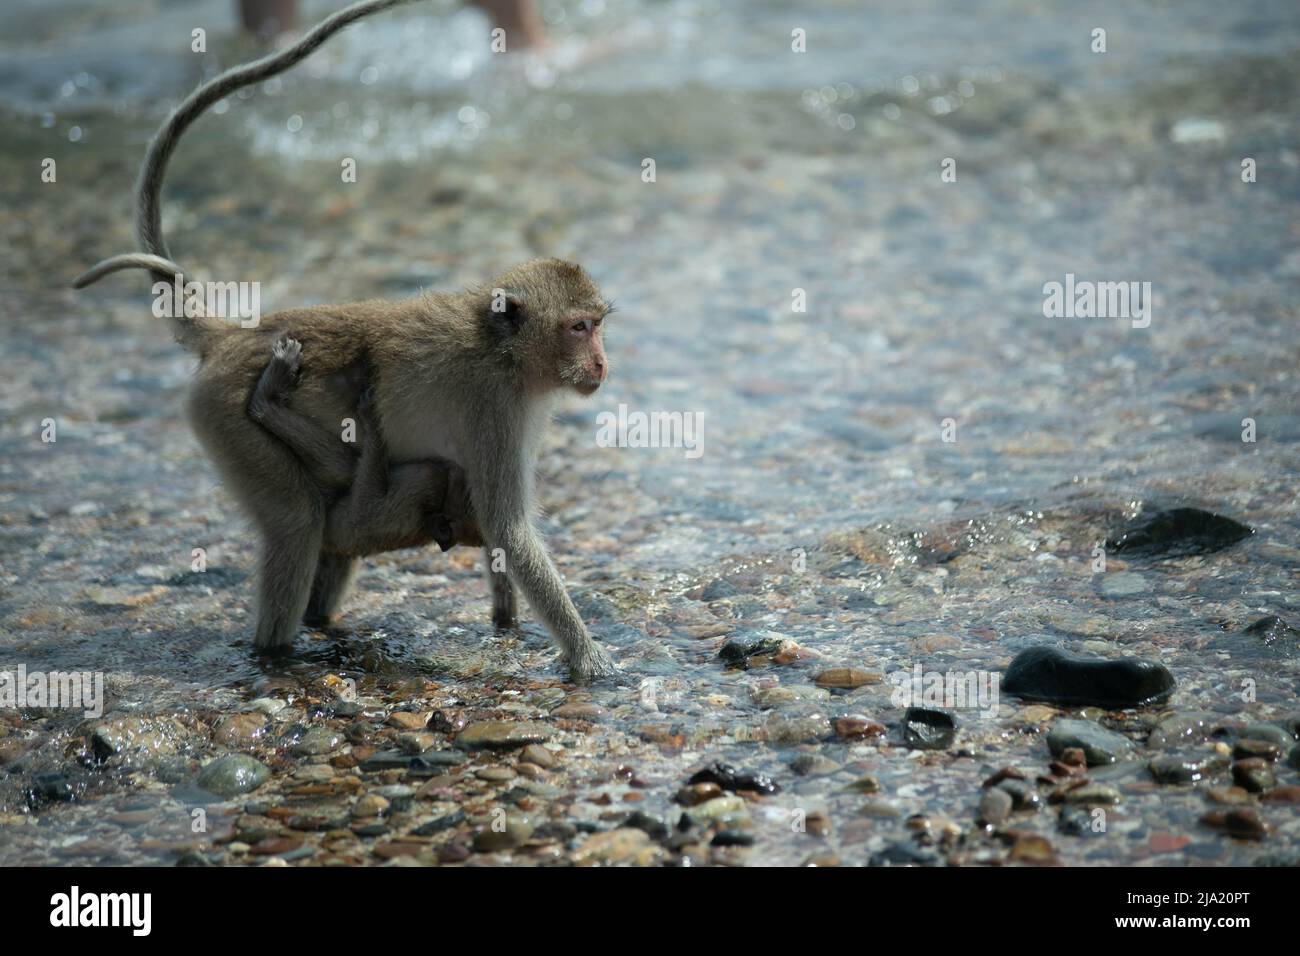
{"points": [[148, 220]]}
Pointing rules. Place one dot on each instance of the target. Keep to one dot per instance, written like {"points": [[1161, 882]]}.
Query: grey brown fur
{"points": [[466, 376]]}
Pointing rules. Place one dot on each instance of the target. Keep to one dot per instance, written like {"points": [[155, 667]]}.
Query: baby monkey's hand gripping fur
{"points": [[373, 506]]}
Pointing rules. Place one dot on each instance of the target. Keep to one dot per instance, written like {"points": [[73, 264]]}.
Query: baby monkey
{"points": [[372, 505]]}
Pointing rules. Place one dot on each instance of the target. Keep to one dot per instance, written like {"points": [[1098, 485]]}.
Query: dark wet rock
{"points": [[1059, 677], [732, 838], [232, 775], [1241, 822], [925, 728], [1293, 761], [729, 778], [430, 763], [1178, 532], [557, 831], [139, 739], [503, 734], [994, 807], [51, 788], [738, 651], [1182, 768], [453, 819], [651, 825], [1276, 635], [1254, 774], [1099, 745]]}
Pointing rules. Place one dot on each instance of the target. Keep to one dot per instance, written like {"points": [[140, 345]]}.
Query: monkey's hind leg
{"points": [[505, 611], [330, 588]]}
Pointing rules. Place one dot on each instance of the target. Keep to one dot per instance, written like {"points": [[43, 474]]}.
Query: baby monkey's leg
{"points": [[378, 507]]}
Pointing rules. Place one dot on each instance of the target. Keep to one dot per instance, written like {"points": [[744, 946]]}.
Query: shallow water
{"points": [[825, 500]]}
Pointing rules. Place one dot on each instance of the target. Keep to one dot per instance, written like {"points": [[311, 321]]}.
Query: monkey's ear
{"points": [[506, 310]]}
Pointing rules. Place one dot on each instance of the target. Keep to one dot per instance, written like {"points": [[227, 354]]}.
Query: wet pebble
{"points": [[1178, 532], [318, 741], [1099, 745], [994, 807], [1254, 774], [1182, 768], [232, 775], [925, 728], [1060, 677], [503, 734], [1241, 822]]}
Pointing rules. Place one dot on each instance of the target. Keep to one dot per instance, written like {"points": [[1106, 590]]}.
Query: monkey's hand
{"points": [[592, 663]]}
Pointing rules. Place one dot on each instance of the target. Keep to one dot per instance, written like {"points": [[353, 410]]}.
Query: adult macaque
{"points": [[465, 376]]}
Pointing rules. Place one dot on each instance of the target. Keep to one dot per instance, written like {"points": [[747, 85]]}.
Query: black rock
{"points": [[649, 824], [732, 838], [1179, 532], [927, 729], [738, 651], [729, 778], [50, 788], [1059, 677], [431, 763], [1076, 821]]}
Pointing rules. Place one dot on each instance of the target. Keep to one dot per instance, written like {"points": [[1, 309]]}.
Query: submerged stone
{"points": [[1059, 677], [233, 774], [1179, 532], [927, 729], [728, 777], [1098, 744]]}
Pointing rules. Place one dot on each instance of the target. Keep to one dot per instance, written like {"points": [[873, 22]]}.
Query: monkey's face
{"points": [[551, 320]]}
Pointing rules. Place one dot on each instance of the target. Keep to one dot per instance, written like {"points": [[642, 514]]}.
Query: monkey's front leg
{"points": [[501, 501]]}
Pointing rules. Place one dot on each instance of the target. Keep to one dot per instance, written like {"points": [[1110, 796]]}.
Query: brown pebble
{"points": [[858, 728], [1241, 822], [275, 846], [406, 720], [696, 793], [1032, 848], [1290, 794], [1228, 795], [539, 755], [846, 678]]}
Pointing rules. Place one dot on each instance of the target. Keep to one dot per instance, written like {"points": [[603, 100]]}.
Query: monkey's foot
{"points": [[288, 351], [591, 663]]}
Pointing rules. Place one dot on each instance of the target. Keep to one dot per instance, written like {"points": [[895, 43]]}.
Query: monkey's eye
{"points": [[581, 326]]}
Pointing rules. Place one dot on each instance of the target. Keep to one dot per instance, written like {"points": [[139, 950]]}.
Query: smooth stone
{"points": [[738, 651], [719, 808], [318, 741], [371, 805], [407, 720], [439, 824], [1248, 747], [516, 831], [1179, 768], [928, 729], [232, 775], [503, 734], [994, 807], [797, 730], [813, 765], [1183, 728], [1023, 794], [1254, 774], [1179, 532], [235, 730], [1270, 733], [1241, 822], [1099, 745], [539, 755], [846, 678], [1093, 795], [729, 778], [1059, 677]]}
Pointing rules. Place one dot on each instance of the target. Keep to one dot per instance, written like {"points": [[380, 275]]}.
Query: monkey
{"points": [[468, 376], [371, 507]]}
